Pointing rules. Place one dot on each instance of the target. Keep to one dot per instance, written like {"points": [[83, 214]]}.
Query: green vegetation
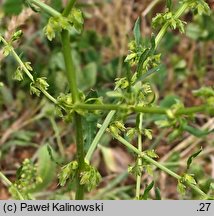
{"points": [[94, 115]]}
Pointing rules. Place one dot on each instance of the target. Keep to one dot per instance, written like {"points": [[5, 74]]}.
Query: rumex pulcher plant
{"points": [[132, 94]]}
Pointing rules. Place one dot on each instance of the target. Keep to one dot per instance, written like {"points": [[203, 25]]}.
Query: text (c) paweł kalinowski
{"points": [[96, 207]]}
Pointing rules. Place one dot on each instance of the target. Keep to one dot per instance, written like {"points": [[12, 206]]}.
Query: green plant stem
{"points": [[71, 74], [68, 8], [72, 80], [51, 98], [138, 109], [9, 184], [99, 135], [139, 160], [116, 107], [49, 10], [155, 163], [142, 109], [163, 30], [80, 156]]}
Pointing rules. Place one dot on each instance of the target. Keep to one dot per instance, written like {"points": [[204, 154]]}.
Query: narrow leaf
{"points": [[196, 132], [147, 190], [189, 161], [148, 73], [169, 4], [137, 33], [142, 59], [157, 194]]}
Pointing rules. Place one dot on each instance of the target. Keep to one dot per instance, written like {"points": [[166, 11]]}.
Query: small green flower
{"points": [[6, 50], [68, 172], [18, 75], [17, 35], [27, 178]]}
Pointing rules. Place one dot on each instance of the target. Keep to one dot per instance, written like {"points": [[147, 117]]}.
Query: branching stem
{"points": [[9, 184], [143, 109], [156, 163], [72, 80], [139, 160], [163, 30]]}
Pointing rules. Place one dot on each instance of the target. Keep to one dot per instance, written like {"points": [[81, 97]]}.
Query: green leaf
{"points": [[204, 92], [168, 101], [57, 5], [189, 161], [146, 191], [148, 73], [88, 76], [196, 132], [46, 168], [12, 7], [142, 59], [137, 33], [29, 4], [196, 31], [157, 194], [52, 154], [169, 4], [152, 42]]}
